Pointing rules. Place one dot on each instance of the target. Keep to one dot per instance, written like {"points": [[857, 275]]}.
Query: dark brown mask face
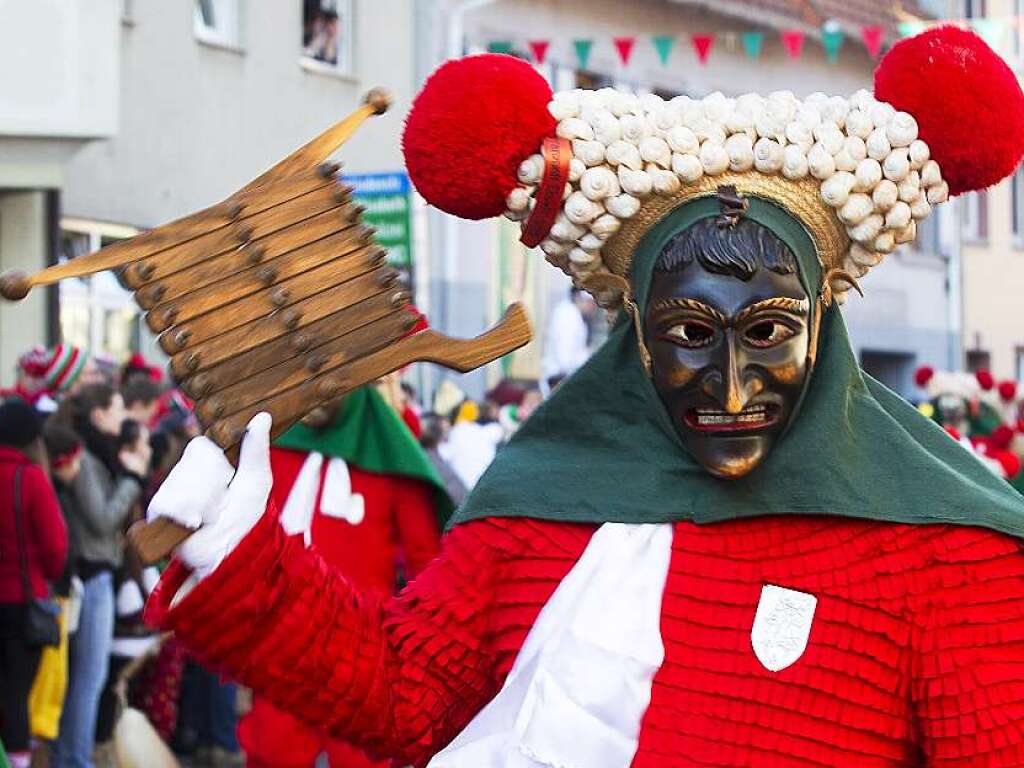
{"points": [[729, 360]]}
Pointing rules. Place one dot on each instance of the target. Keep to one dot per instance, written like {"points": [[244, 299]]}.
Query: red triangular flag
{"points": [[793, 42], [624, 45], [872, 37], [539, 49], [702, 45]]}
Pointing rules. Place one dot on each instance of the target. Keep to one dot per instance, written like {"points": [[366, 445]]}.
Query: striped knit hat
{"points": [[60, 367]]}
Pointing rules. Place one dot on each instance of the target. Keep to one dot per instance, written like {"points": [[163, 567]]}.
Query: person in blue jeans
{"points": [[97, 506]]}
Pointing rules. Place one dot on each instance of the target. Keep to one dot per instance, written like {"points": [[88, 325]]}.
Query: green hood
{"points": [[603, 448], [367, 433]]}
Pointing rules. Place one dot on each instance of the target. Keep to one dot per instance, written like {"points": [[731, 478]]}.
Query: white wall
{"points": [[22, 241]]}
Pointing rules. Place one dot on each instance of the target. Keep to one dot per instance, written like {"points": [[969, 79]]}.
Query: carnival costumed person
{"points": [[719, 542], [352, 481]]}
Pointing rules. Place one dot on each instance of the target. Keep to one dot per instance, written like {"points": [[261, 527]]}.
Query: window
{"points": [[927, 240], [1020, 364], [978, 360], [216, 21], [96, 313], [1017, 207], [327, 38], [975, 216], [974, 9]]}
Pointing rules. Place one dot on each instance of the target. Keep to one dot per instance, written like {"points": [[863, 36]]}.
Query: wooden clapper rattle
{"points": [[277, 299]]}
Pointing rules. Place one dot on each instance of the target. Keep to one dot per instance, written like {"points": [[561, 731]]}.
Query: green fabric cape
{"points": [[603, 448], [368, 433]]}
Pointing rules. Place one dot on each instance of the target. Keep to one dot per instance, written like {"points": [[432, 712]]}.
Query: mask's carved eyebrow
{"points": [[799, 307], [692, 305]]}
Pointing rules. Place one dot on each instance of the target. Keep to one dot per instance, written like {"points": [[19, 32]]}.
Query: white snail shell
{"points": [[590, 152], [878, 145], [579, 209], [835, 190], [605, 225], [830, 137], [716, 106], [555, 248], [910, 187], [636, 183], [708, 131], [920, 208], [740, 150], [623, 153], [907, 234], [799, 133], [566, 231], [691, 114], [518, 199], [868, 229], [665, 182], [652, 102], [574, 128], [821, 162], [858, 123], [919, 154], [599, 183], [868, 173], [681, 139], [624, 104], [713, 158], [768, 127], [634, 128], [794, 162], [835, 110], [858, 207], [740, 122], [881, 113], [687, 167], [582, 258], [606, 126], [862, 257], [885, 195], [817, 98], [898, 216], [938, 193], [591, 242], [531, 170], [623, 206], [576, 169], [845, 161], [930, 174], [655, 150], [862, 99], [896, 165], [768, 155], [885, 242], [855, 147], [517, 215], [563, 109], [901, 129], [665, 119]]}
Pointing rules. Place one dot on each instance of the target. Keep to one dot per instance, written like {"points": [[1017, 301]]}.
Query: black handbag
{"points": [[41, 626]]}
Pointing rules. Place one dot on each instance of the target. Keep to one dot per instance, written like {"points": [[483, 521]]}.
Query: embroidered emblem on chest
{"points": [[782, 625]]}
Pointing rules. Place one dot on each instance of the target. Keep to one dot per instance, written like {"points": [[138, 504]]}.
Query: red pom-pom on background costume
{"points": [[923, 375], [1007, 390], [985, 379], [473, 123], [1001, 437], [953, 432], [967, 102], [1009, 461]]}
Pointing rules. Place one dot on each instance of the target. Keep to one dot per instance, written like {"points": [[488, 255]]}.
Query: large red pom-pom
{"points": [[473, 123], [923, 375], [1007, 390], [985, 379], [967, 102], [1009, 461], [1001, 437]]}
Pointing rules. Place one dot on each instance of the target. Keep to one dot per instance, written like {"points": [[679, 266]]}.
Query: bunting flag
{"points": [[872, 37], [663, 44], [991, 31], [582, 48], [753, 42], [499, 46], [539, 49], [624, 45], [793, 42], [832, 40], [702, 46]]}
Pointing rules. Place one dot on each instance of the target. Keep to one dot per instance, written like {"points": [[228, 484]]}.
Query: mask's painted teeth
{"points": [[714, 419]]}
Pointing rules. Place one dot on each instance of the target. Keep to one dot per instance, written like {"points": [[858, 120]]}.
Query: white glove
{"points": [[200, 492]]}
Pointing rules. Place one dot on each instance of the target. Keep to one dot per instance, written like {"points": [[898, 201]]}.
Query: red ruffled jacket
{"points": [[915, 656]]}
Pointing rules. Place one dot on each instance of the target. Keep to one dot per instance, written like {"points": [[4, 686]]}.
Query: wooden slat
{"points": [[259, 355], [291, 373]]}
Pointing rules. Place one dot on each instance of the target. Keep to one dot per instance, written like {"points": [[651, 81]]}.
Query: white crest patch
{"points": [[782, 625]]}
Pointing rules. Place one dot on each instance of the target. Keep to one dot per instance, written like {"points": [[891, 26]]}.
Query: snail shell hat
{"points": [[588, 173]]}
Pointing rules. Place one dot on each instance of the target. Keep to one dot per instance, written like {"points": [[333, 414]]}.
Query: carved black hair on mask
{"points": [[738, 250]]}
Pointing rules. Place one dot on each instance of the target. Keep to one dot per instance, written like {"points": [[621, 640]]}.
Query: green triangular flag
{"points": [[752, 43], [910, 28], [991, 31], [583, 51], [663, 45], [832, 41], [499, 46]]}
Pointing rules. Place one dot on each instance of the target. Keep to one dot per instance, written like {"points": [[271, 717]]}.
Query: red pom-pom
{"points": [[1009, 461], [473, 123], [1020, 425], [953, 432], [1008, 390], [923, 375], [967, 102], [985, 379], [1001, 437]]}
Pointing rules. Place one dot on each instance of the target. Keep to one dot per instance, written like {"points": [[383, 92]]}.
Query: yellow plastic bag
{"points": [[46, 699]]}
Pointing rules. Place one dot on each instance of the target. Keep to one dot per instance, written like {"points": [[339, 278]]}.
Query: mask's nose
{"points": [[728, 379]]}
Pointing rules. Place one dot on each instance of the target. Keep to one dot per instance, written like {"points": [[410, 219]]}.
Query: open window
{"points": [[327, 35], [217, 22]]}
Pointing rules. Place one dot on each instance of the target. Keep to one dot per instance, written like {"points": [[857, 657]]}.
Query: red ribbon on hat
{"points": [[548, 201]]}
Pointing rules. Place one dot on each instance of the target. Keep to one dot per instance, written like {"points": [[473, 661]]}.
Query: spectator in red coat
{"points": [[25, 488]]}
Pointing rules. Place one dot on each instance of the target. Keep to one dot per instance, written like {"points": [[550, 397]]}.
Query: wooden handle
{"points": [[156, 540]]}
